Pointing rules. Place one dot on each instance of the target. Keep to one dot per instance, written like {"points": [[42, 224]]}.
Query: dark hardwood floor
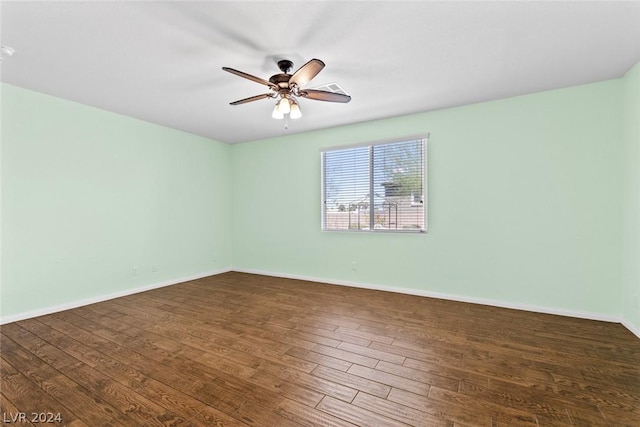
{"points": [[240, 349]]}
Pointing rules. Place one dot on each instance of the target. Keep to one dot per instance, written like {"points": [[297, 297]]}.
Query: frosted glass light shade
{"points": [[295, 111], [276, 114], [283, 106]]}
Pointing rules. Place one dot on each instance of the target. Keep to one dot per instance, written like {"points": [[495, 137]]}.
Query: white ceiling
{"points": [[161, 61]]}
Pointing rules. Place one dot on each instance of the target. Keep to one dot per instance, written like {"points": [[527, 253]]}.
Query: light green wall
{"points": [[631, 199], [88, 195], [524, 201]]}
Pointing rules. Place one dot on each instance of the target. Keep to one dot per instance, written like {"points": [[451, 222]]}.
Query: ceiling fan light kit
{"points": [[286, 88]]}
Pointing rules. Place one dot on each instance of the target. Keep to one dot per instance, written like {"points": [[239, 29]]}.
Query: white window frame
{"points": [[425, 169]]}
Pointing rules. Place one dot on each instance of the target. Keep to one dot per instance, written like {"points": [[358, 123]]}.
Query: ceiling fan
{"points": [[287, 87]]}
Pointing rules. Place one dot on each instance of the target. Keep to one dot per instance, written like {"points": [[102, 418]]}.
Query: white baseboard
{"points": [[79, 303], [631, 327], [418, 292]]}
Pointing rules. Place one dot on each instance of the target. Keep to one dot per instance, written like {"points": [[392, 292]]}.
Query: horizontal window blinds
{"points": [[375, 188]]}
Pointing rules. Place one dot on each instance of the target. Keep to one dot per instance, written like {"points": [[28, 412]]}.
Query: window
{"points": [[376, 187]]}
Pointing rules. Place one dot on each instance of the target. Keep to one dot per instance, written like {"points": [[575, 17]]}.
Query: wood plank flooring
{"points": [[246, 350]]}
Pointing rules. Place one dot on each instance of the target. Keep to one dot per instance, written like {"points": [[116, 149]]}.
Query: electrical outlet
{"points": [[154, 268], [134, 271], [354, 266]]}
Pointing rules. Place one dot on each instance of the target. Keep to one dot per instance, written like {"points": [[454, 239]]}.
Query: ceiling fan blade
{"points": [[306, 72], [250, 77], [323, 95], [250, 99]]}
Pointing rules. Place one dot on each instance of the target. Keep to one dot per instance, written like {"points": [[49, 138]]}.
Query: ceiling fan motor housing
{"points": [[281, 80]]}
